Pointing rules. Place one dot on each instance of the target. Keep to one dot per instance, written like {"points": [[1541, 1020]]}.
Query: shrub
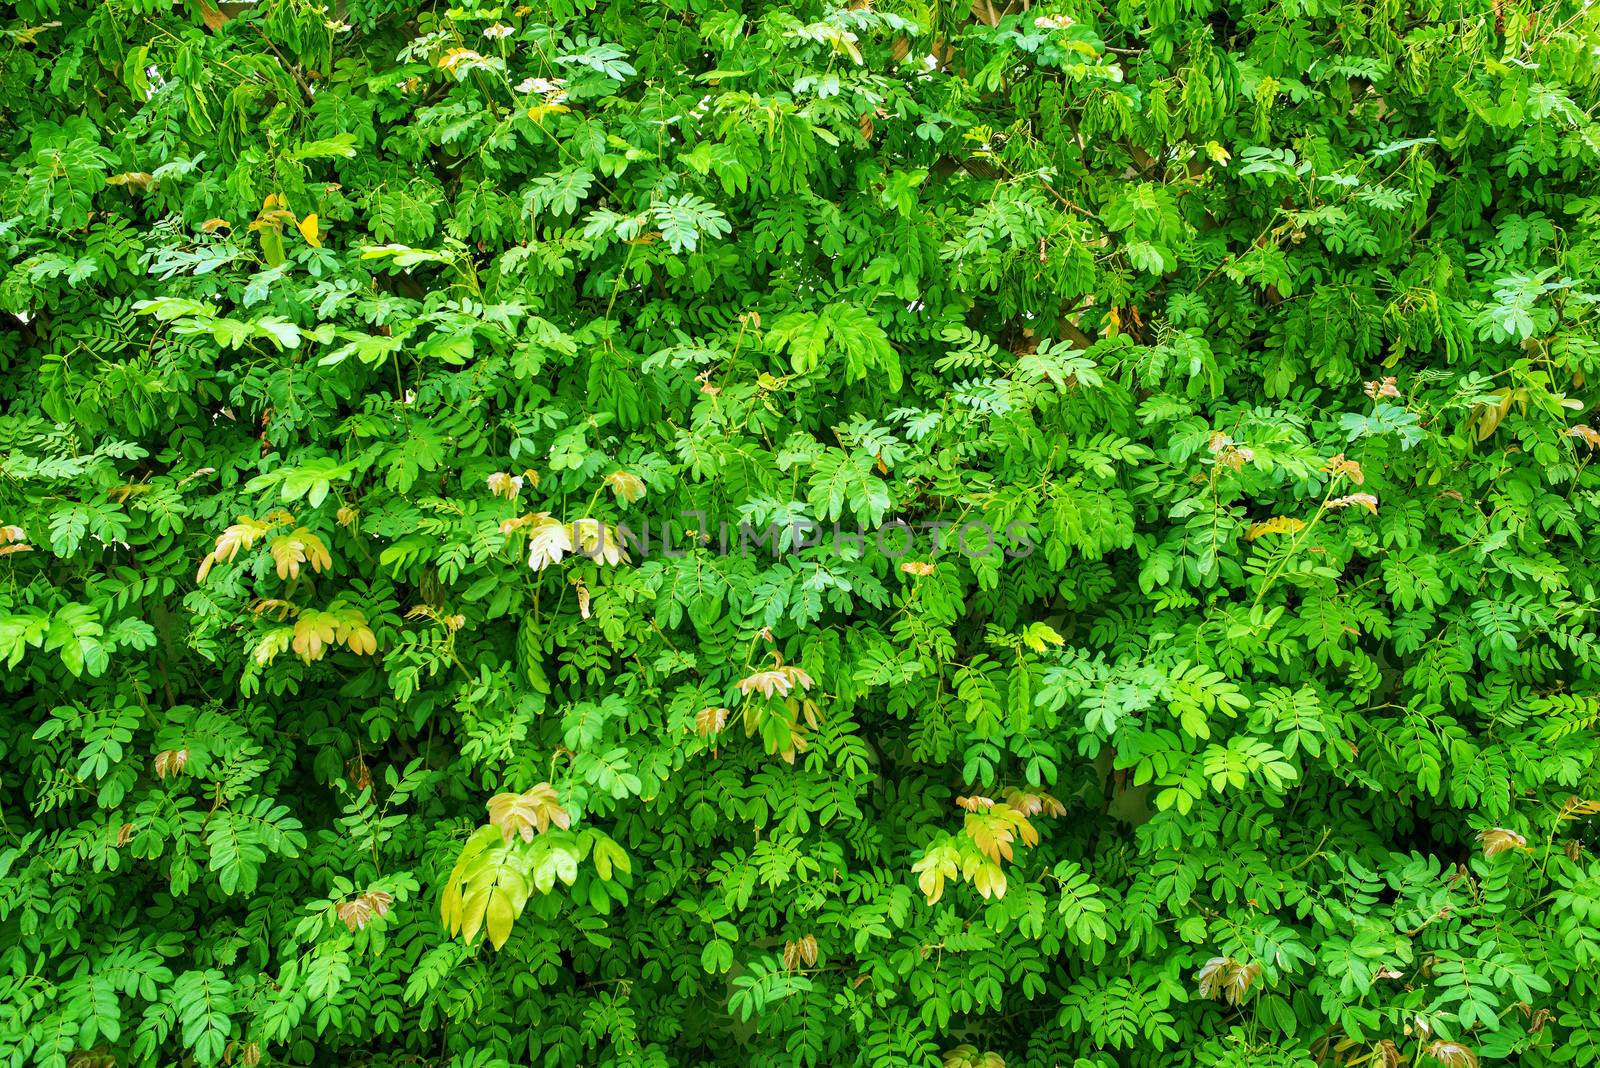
{"points": [[676, 533]]}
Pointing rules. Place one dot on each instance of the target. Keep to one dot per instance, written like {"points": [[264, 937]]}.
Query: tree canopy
{"points": [[682, 532]]}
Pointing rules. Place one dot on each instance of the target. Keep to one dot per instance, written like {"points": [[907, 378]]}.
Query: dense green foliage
{"points": [[343, 728]]}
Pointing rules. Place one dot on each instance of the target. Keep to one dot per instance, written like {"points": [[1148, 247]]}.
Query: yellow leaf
{"points": [[500, 917], [488, 885], [609, 858], [1278, 524], [313, 633], [628, 488], [1038, 636], [272, 643], [1577, 808], [361, 640], [1490, 415], [938, 864], [989, 880], [136, 179], [300, 546], [308, 230], [524, 813], [993, 831], [242, 535]]}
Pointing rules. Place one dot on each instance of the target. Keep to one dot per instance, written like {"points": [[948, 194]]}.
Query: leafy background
{"points": [[327, 328]]}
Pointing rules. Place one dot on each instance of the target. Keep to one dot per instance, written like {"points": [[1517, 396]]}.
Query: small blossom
{"points": [[1053, 22], [497, 31], [917, 568], [1383, 387]]}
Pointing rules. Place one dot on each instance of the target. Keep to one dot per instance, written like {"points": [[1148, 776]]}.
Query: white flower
{"points": [[549, 542], [540, 85], [497, 31], [502, 484]]}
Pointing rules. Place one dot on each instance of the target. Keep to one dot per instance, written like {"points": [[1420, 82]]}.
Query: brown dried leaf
{"points": [[1576, 808], [710, 721], [1589, 435], [1501, 840], [1227, 979], [171, 762], [1034, 803], [355, 913], [1451, 1054]]}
